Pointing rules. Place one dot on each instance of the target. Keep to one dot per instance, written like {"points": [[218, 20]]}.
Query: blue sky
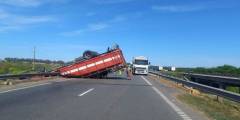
{"points": [[183, 33]]}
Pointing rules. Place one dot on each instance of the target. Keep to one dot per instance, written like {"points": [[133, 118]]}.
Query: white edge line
{"points": [[183, 115], [86, 92], [174, 107], [59, 81], [146, 81], [24, 88]]}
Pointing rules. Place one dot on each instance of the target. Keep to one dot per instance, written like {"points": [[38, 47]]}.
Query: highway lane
{"points": [[88, 99]]}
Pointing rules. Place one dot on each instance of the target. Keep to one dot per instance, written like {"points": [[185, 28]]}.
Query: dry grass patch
{"points": [[215, 110]]}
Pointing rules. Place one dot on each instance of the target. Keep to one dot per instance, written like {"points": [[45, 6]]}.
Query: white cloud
{"points": [[72, 33], [196, 6], [29, 3], [96, 26], [7, 28], [118, 18], [89, 14], [10, 21], [23, 3], [26, 20], [178, 8], [3, 14], [110, 1], [89, 28]]}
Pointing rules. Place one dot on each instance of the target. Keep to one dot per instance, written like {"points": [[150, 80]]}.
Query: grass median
{"points": [[215, 110]]}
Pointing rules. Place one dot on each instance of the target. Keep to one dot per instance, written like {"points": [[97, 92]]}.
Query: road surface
{"points": [[91, 99]]}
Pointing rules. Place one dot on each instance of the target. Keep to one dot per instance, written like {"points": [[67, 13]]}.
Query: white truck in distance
{"points": [[140, 65]]}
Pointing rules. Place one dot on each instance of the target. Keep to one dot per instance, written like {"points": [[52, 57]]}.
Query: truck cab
{"points": [[140, 65]]}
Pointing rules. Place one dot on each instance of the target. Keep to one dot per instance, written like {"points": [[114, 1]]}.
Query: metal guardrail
{"points": [[213, 76], [234, 81], [28, 75], [208, 89]]}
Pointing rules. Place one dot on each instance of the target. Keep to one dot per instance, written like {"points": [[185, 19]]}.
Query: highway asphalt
{"points": [[90, 99]]}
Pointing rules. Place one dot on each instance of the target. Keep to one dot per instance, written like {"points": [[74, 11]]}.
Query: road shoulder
{"points": [[171, 91]]}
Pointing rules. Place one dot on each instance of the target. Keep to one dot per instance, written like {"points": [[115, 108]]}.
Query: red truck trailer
{"points": [[98, 66]]}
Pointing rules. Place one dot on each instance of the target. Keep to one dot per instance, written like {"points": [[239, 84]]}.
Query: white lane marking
{"points": [[146, 80], [183, 115], [24, 88], [58, 81], [175, 108], [86, 92]]}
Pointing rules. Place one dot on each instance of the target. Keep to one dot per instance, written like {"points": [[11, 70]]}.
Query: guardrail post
{"points": [[219, 99], [8, 82], [222, 86]]}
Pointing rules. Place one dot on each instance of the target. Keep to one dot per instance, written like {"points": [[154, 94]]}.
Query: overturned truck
{"points": [[97, 66]]}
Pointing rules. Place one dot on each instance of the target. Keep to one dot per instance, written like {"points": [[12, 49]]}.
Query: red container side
{"points": [[106, 61]]}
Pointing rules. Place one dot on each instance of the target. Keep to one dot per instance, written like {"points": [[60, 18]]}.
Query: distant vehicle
{"points": [[140, 65], [153, 68], [160, 68], [169, 68]]}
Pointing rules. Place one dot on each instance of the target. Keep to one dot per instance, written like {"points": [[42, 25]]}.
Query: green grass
{"points": [[174, 74], [24, 67], [225, 70], [233, 89], [215, 110]]}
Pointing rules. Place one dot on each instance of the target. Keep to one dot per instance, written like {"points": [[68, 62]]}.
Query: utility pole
{"points": [[34, 57]]}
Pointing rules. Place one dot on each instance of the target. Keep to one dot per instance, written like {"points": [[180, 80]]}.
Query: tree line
{"points": [[36, 60], [225, 70]]}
